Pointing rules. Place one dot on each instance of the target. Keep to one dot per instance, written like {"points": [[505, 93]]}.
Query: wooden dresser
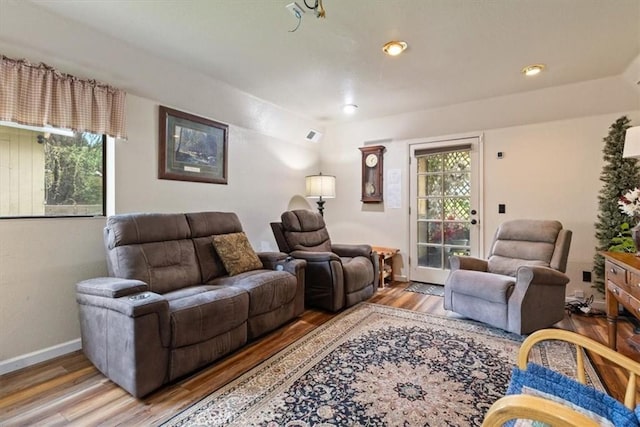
{"points": [[622, 285]]}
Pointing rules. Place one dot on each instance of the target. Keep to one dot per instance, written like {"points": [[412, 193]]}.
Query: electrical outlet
{"points": [[586, 276], [502, 208], [578, 294]]}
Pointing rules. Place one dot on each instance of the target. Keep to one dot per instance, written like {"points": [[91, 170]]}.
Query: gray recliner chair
{"points": [[337, 275], [521, 286]]}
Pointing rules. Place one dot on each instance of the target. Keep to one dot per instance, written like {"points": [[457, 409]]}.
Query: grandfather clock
{"points": [[372, 173]]}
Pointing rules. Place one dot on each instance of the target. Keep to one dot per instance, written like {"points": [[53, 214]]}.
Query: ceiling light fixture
{"points": [[349, 108], [533, 70], [394, 47]]}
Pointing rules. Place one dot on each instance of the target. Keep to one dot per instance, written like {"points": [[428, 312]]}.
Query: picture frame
{"points": [[192, 148]]}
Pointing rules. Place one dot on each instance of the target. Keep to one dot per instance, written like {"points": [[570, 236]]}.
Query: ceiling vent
{"points": [[313, 136]]}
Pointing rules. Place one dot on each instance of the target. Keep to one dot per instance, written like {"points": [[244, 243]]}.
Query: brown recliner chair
{"points": [[337, 275], [521, 286]]}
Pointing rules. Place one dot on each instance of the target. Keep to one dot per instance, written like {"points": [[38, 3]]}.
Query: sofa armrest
{"points": [[315, 256], [134, 305], [111, 287], [537, 300], [292, 265], [459, 262], [129, 297], [541, 275], [127, 337], [271, 259], [351, 250], [281, 261], [297, 267]]}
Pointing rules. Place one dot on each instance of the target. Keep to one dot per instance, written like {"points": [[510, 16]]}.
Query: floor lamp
{"points": [[320, 187]]}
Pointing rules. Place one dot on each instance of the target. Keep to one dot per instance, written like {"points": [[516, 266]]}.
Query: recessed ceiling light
{"points": [[394, 47], [532, 70], [349, 108]]}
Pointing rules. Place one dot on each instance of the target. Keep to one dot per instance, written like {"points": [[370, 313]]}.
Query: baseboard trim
{"points": [[43, 355], [599, 305]]}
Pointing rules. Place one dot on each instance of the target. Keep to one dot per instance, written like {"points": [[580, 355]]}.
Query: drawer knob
{"points": [[613, 271], [615, 291]]}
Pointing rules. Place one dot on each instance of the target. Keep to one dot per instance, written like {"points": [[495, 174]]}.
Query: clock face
{"points": [[371, 160]]}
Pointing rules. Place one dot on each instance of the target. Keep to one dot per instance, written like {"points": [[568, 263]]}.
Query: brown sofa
{"points": [[170, 306]]}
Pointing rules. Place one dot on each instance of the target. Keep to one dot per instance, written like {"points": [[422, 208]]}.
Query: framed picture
{"points": [[192, 148]]}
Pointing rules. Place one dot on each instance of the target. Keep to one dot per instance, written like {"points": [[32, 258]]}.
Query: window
{"points": [[47, 172]]}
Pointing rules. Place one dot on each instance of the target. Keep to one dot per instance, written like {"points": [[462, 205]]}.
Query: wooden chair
{"points": [[521, 406]]}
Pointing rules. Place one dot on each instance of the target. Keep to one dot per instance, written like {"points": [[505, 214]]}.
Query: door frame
{"points": [[442, 140]]}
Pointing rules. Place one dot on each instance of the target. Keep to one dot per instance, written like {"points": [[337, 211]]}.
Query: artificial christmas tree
{"points": [[619, 175]]}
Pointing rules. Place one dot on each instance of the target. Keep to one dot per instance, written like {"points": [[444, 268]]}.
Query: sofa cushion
{"points": [[198, 313], [267, 289], [211, 265], [205, 224], [523, 242], [236, 253], [478, 284], [509, 266], [530, 230], [164, 266], [305, 231], [127, 229]]}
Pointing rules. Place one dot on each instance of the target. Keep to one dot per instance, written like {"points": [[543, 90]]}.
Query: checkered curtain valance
{"points": [[39, 95]]}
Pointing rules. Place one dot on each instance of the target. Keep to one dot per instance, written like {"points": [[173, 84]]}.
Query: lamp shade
{"points": [[321, 186], [632, 143]]}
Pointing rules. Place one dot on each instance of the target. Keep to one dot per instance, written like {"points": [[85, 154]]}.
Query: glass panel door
{"points": [[444, 211]]}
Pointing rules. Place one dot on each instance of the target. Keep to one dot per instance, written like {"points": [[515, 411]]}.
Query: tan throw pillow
{"points": [[236, 253]]}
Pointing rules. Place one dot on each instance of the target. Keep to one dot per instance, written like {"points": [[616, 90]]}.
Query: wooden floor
{"points": [[70, 391]]}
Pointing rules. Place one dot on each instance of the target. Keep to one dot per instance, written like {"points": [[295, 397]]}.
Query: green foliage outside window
{"points": [[50, 172], [73, 169]]}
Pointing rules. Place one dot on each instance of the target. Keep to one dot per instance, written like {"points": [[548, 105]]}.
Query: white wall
{"points": [[552, 142], [265, 174], [40, 262]]}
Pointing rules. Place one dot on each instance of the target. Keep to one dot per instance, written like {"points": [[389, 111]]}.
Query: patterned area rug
{"points": [[374, 365], [426, 288]]}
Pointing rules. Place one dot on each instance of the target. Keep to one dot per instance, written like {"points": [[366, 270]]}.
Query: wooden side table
{"points": [[622, 285], [385, 263]]}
